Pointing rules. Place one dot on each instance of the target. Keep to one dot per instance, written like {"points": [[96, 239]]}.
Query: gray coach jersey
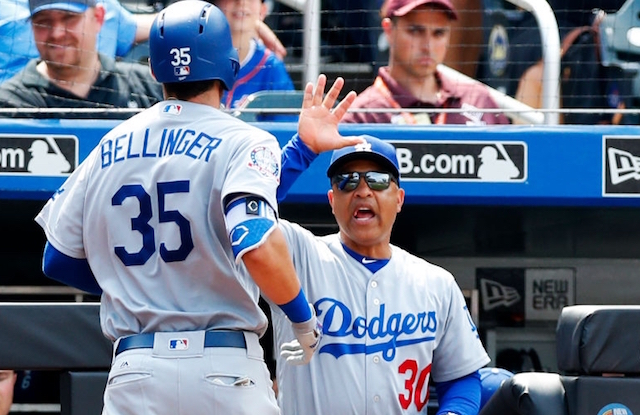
{"points": [[158, 181], [385, 333]]}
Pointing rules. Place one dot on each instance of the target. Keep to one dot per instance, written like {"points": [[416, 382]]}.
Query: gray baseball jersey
{"points": [[153, 189], [386, 334]]}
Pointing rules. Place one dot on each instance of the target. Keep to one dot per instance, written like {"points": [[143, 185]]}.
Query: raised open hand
{"points": [[319, 118]]}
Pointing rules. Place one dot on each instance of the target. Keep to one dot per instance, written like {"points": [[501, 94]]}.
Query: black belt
{"points": [[211, 339]]}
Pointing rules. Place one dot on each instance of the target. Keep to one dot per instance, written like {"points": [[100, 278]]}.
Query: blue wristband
{"points": [[297, 309]]}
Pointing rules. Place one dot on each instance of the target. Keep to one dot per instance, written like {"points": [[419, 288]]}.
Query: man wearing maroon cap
{"points": [[418, 33]]}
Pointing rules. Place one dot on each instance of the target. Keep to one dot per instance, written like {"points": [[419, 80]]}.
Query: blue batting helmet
{"points": [[490, 380], [190, 40]]}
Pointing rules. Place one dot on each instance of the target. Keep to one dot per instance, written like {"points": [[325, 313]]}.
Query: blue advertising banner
{"points": [[493, 165]]}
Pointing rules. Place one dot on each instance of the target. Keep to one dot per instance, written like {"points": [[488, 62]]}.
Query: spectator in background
{"points": [[349, 29], [466, 38], [70, 72], [7, 382], [525, 46], [260, 68], [120, 32], [418, 32], [586, 81]]}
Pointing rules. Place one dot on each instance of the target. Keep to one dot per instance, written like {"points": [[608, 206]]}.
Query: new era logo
{"points": [[178, 344], [621, 166], [495, 294]]}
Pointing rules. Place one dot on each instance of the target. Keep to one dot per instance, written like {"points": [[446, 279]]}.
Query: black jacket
{"points": [[119, 85]]}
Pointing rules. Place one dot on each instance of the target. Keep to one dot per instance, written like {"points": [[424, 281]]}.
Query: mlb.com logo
{"points": [[178, 344], [181, 71], [173, 109]]}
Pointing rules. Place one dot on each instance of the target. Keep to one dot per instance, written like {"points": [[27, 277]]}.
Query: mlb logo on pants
{"points": [[178, 344]]}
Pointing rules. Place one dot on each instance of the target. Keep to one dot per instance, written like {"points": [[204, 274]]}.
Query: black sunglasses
{"points": [[376, 180]]}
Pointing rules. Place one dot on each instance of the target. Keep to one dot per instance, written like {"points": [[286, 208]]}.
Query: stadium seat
{"points": [[270, 101], [598, 359]]}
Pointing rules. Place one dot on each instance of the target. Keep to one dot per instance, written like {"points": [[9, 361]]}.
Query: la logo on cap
{"points": [[363, 146]]}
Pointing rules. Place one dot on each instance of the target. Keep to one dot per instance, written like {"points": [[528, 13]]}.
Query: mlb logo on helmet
{"points": [[181, 71], [178, 344]]}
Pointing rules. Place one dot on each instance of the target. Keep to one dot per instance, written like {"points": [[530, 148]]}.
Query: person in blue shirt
{"points": [[260, 68], [121, 31]]}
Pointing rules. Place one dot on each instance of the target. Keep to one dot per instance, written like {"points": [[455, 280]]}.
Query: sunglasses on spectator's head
{"points": [[349, 181]]}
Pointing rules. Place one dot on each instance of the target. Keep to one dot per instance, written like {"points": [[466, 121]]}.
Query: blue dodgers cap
{"points": [[372, 149], [490, 380], [74, 6]]}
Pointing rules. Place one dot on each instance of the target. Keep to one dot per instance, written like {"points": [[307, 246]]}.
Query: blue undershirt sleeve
{"points": [[296, 158], [70, 271], [460, 396]]}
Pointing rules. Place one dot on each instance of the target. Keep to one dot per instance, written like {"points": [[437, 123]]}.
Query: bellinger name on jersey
{"points": [[191, 143]]}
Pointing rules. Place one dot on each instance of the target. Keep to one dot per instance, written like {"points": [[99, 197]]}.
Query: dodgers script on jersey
{"points": [[386, 334], [163, 242]]}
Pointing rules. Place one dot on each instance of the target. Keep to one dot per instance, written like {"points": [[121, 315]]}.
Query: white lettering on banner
{"points": [[442, 163], [12, 158], [547, 291], [459, 160]]}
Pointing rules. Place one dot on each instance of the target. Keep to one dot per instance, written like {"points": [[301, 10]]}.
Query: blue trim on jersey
{"points": [[372, 264], [296, 158], [460, 396], [298, 310], [388, 349], [250, 234], [261, 204], [233, 204], [68, 270]]}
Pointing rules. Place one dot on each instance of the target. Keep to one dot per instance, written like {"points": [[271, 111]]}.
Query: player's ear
{"points": [[387, 28], [330, 197], [263, 11], [400, 200], [100, 14], [387, 25], [151, 69]]}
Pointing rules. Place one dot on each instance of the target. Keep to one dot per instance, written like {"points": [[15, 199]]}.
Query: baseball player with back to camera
{"points": [[172, 218], [391, 321]]}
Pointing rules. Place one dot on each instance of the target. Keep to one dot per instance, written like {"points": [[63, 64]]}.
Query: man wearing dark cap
{"points": [[70, 72], [418, 33], [392, 322]]}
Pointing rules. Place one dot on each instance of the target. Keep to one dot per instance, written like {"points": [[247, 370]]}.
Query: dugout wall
{"points": [[561, 228]]}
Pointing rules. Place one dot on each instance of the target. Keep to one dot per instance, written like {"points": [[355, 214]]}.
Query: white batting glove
{"points": [[308, 335]]}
